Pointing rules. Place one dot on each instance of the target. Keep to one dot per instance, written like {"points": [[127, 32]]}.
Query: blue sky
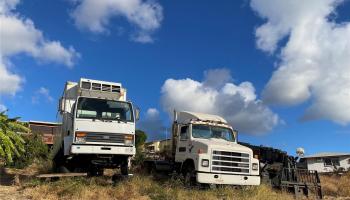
{"points": [[144, 44]]}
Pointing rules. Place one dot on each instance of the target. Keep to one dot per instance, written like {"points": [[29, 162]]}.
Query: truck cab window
{"points": [[92, 108], [183, 133], [207, 132]]}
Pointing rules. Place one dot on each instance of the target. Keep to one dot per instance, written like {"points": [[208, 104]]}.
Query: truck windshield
{"points": [[91, 108], [207, 132]]}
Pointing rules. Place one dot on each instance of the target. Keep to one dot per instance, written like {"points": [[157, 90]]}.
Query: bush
{"points": [[139, 157], [35, 149]]}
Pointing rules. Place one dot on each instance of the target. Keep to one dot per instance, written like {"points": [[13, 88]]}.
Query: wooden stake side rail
{"points": [[54, 175]]}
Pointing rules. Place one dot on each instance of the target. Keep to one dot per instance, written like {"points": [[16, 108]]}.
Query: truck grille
{"points": [[230, 162], [105, 137]]}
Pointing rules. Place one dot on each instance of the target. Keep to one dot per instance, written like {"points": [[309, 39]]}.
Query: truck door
{"points": [[182, 144]]}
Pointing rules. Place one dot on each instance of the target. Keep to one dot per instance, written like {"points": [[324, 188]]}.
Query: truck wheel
{"points": [[58, 163], [124, 168], [190, 177]]}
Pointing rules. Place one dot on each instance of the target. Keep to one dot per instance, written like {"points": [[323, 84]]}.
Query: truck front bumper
{"points": [[94, 149], [227, 179]]}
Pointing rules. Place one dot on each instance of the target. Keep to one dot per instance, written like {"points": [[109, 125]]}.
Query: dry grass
{"points": [[35, 168], [335, 185], [145, 187], [141, 187]]}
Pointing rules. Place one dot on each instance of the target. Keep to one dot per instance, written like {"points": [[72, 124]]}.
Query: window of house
{"points": [[331, 162], [327, 162], [183, 133], [335, 162]]}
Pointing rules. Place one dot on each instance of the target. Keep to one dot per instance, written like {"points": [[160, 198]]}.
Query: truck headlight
{"points": [[129, 140], [255, 166], [205, 163], [80, 137]]}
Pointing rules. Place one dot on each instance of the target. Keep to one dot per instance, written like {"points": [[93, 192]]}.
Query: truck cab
{"points": [[98, 127], [205, 151], [206, 148]]}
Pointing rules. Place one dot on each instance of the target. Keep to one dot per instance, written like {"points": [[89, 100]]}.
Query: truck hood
{"points": [[88, 125], [221, 144]]}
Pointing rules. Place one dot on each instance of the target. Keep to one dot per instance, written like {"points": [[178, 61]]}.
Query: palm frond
{"points": [[11, 142]]}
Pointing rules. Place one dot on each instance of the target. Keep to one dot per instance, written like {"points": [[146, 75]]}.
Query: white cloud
{"points": [[45, 93], [152, 124], [217, 77], [42, 93], [152, 113], [95, 16], [8, 5], [315, 60], [9, 82], [2, 108], [236, 103], [18, 35]]}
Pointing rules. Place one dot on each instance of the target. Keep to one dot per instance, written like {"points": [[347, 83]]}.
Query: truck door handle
{"points": [[182, 149]]}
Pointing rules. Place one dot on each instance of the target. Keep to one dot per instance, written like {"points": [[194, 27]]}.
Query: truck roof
{"points": [[186, 116], [94, 88]]}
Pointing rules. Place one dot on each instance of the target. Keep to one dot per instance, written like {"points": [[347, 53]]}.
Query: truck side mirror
{"points": [[60, 105], [137, 114]]}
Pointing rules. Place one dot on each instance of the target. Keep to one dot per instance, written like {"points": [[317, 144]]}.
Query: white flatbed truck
{"points": [[205, 151]]}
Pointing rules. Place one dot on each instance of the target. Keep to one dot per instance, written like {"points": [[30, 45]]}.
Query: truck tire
{"points": [[58, 163], [124, 167], [190, 177]]}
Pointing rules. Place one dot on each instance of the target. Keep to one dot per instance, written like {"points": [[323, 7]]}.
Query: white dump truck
{"points": [[205, 151], [98, 128]]}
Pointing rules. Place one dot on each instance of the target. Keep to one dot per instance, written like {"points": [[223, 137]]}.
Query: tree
{"points": [[140, 138], [11, 142], [35, 148]]}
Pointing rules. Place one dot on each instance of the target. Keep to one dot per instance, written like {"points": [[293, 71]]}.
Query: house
{"points": [[47, 129], [327, 162], [158, 146]]}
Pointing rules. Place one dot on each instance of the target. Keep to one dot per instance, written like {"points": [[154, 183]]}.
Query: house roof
{"points": [[44, 123], [327, 154]]}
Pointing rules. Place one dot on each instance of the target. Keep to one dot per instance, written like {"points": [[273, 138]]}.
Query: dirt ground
{"points": [[12, 193], [8, 190]]}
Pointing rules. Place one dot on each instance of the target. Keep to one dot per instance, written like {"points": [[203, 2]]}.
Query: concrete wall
{"points": [[318, 164]]}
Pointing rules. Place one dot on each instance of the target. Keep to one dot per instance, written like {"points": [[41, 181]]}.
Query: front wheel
{"points": [[124, 167], [190, 177]]}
